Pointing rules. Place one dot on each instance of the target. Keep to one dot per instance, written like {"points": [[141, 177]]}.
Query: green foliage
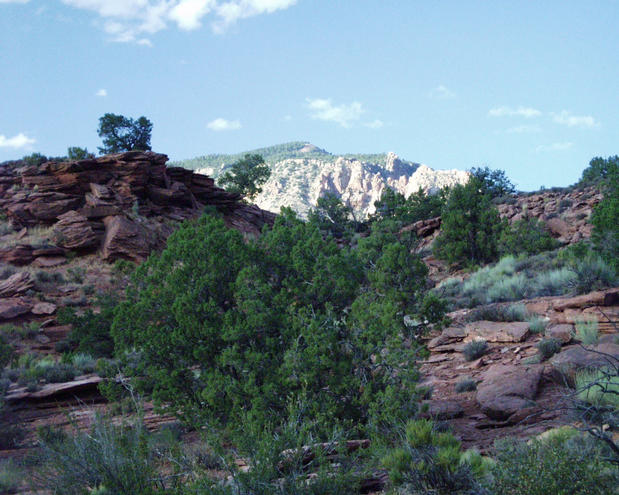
{"points": [[418, 206], [587, 331], [429, 461], [475, 349], [35, 159], [561, 464], [471, 226], [526, 236], [537, 324], [333, 217], [548, 347], [235, 332], [246, 176], [111, 459], [600, 170], [599, 387], [11, 476], [75, 153], [6, 352], [494, 183], [91, 330], [604, 218], [120, 133]]}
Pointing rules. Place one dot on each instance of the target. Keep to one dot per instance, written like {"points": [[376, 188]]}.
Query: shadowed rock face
{"points": [[122, 204]]}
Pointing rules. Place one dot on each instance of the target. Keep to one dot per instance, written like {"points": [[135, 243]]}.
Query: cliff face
{"points": [[299, 182], [123, 205]]}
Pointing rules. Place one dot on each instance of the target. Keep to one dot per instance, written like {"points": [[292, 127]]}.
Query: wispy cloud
{"points": [[375, 124], [136, 20], [16, 142], [102, 93], [344, 114], [14, 1], [562, 146], [523, 129], [441, 93], [566, 118], [223, 125], [505, 111]]}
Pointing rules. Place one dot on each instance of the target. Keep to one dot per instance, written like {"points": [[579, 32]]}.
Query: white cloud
{"points": [[566, 118], [131, 20], [442, 93], [18, 141], [102, 92], [522, 129], [375, 124], [344, 115], [562, 146], [223, 125], [505, 111]]}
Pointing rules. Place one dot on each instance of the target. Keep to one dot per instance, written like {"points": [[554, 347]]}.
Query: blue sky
{"points": [[528, 87]]}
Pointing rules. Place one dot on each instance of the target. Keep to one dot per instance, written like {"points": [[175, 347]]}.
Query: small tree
{"points": [[332, 216], [75, 153], [120, 133], [604, 219], [246, 176], [493, 182], [471, 225]]}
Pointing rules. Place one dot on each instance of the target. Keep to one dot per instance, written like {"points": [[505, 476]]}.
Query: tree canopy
{"points": [[246, 176], [120, 133]]}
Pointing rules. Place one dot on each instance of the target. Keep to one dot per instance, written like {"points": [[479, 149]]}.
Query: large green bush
{"points": [[237, 332], [604, 219], [526, 236]]}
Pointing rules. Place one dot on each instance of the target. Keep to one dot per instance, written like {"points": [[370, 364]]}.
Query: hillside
{"points": [[302, 172]]}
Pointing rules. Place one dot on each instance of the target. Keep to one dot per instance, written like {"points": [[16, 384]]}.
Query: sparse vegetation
{"points": [[587, 331], [475, 349], [537, 324], [548, 347], [466, 385]]}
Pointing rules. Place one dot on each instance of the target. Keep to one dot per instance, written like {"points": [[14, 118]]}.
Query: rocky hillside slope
{"points": [[123, 205], [302, 172]]}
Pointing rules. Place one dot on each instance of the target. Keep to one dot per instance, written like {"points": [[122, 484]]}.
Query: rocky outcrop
{"points": [[123, 204], [298, 182], [18, 283]]}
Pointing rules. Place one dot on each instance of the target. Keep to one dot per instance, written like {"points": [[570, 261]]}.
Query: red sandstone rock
{"points": [[16, 284]]}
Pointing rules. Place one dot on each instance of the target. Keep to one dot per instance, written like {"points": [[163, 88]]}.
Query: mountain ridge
{"points": [[302, 172]]}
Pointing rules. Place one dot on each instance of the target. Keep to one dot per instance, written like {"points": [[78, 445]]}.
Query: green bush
{"points": [[548, 347], [11, 476], [587, 331], [561, 464], [537, 324], [593, 273], [6, 353], [599, 387], [475, 349], [234, 332], [527, 236], [429, 461]]}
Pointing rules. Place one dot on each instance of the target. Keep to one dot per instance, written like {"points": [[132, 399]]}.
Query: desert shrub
{"points": [[429, 461], [537, 324], [561, 464], [554, 282], [475, 349], [527, 236], [466, 385], [119, 459], [45, 277], [509, 289], [548, 347], [59, 373], [232, 331], [11, 435], [499, 312], [83, 362], [6, 352], [91, 331], [587, 331], [76, 274], [11, 476], [599, 387], [592, 273]]}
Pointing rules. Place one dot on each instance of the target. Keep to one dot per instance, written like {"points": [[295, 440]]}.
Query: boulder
{"points": [[577, 357], [16, 284], [128, 239], [12, 307], [498, 331], [19, 255], [442, 410], [448, 336], [75, 231], [506, 389], [561, 332], [49, 261]]}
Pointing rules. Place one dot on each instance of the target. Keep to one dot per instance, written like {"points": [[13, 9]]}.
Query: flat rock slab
{"points": [[443, 409], [44, 308], [18, 283], [49, 261], [448, 336], [14, 306], [577, 357], [54, 389], [506, 389], [498, 331]]}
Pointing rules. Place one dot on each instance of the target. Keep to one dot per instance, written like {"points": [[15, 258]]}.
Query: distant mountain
{"points": [[302, 172]]}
